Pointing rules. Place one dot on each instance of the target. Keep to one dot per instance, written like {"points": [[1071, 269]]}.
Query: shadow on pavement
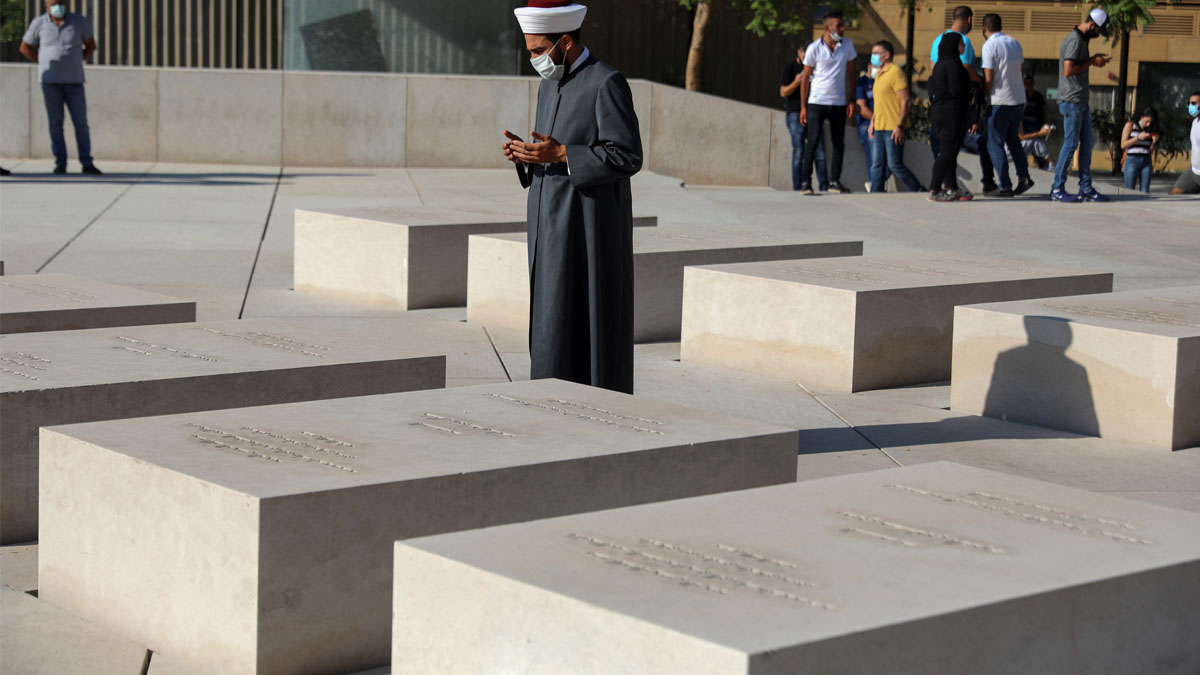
{"points": [[202, 178]]}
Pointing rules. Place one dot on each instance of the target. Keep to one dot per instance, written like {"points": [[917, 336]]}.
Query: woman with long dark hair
{"points": [[950, 91], [1139, 140]]}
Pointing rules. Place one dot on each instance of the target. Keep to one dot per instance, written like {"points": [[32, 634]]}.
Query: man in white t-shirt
{"points": [[827, 88], [1002, 60], [1189, 181]]}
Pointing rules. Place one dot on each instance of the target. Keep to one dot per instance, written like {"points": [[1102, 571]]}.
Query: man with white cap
{"points": [[585, 147], [1074, 60]]}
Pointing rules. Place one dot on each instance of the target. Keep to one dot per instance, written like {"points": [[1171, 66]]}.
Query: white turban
{"points": [[547, 17]]}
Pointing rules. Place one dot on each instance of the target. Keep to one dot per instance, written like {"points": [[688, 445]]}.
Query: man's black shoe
{"points": [[5, 172], [1003, 193], [806, 189], [60, 169], [1023, 186], [837, 188], [91, 170], [990, 189]]}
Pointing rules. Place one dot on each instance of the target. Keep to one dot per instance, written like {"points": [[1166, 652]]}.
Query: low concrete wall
{"points": [[389, 120]]}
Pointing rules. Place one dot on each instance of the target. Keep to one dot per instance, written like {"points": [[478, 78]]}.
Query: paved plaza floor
{"points": [[223, 236]]}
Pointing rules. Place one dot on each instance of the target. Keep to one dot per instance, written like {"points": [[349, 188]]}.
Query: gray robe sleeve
{"points": [[616, 154]]}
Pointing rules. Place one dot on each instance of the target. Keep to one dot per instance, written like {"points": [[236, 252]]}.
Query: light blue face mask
{"points": [[1193, 110], [58, 11], [546, 67], [876, 61]]}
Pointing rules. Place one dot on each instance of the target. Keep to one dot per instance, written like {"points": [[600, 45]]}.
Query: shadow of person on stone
{"points": [[1039, 384]]}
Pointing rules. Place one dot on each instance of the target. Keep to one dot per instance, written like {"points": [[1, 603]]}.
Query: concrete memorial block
{"points": [[16, 81], [498, 274], [48, 302], [935, 568], [1123, 366], [853, 324], [115, 373], [408, 257], [220, 116], [260, 540]]}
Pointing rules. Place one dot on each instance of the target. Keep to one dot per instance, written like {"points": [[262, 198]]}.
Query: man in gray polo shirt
{"points": [[1074, 60], [59, 42]]}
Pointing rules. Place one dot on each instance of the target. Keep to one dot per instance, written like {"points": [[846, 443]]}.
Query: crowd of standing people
{"points": [[997, 111]]}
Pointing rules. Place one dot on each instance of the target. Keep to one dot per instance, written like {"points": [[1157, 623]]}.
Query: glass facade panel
{"points": [[403, 36]]}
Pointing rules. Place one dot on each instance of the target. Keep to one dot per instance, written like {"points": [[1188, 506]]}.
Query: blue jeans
{"points": [[1077, 133], [869, 148], [887, 150], [797, 131], [1138, 169], [55, 96], [1004, 125]]}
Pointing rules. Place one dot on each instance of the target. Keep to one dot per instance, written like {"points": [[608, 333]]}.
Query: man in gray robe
{"points": [[584, 149]]}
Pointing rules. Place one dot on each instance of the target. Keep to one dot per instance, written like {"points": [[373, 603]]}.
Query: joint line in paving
{"points": [[497, 353], [97, 217], [847, 423], [258, 251]]}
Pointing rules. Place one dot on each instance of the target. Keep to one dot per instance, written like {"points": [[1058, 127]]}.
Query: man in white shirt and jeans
{"points": [[1002, 60], [827, 93], [1189, 181]]}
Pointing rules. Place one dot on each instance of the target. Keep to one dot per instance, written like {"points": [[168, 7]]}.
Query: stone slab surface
{"points": [[259, 539], [37, 638], [18, 567], [410, 258], [48, 302], [936, 568], [498, 276], [113, 373], [916, 434], [1123, 366], [853, 324]]}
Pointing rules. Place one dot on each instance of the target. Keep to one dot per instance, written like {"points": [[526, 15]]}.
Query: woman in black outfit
{"points": [[950, 91]]}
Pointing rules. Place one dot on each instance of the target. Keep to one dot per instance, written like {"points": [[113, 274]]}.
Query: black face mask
{"points": [[1093, 34]]}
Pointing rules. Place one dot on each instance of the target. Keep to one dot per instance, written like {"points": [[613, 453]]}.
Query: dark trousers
{"points": [[945, 168], [817, 114], [1003, 127], [986, 170], [72, 96]]}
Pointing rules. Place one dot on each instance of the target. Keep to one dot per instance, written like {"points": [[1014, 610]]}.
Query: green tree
{"points": [[787, 17], [12, 20], [1124, 17]]}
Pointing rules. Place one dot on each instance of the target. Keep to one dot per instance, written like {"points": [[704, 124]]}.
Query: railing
{"points": [[244, 34]]}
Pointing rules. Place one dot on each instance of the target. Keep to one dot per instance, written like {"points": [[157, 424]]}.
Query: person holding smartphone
{"points": [[1139, 140], [1074, 60]]}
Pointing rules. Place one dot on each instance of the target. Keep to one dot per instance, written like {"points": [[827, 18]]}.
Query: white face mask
{"points": [[546, 67], [835, 37]]}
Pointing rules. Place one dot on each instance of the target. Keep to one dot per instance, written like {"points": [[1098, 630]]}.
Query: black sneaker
{"points": [[1023, 186], [838, 189], [990, 189], [941, 196], [806, 189], [91, 170], [1004, 193], [60, 169], [5, 172]]}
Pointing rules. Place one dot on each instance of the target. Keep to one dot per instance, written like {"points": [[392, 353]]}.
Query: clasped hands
{"points": [[544, 150]]}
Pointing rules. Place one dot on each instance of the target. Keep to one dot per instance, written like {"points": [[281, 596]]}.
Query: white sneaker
{"points": [[867, 186]]}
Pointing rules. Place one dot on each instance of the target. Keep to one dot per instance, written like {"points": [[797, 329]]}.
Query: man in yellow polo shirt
{"points": [[892, 103]]}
